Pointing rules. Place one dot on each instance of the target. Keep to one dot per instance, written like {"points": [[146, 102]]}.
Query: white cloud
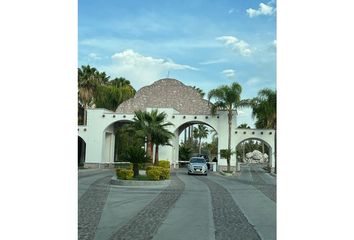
{"points": [[221, 60], [263, 9], [229, 73], [253, 81], [236, 44], [140, 69], [94, 56]]}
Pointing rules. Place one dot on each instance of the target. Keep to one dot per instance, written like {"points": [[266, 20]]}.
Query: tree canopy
{"points": [[96, 89], [264, 108], [228, 98]]}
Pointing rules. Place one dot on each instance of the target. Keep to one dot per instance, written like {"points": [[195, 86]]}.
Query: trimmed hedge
{"points": [[153, 173], [148, 168], [165, 173], [125, 174], [157, 173], [164, 164]]}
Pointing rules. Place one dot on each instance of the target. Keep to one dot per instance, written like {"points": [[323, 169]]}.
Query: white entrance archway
{"points": [[183, 106]]}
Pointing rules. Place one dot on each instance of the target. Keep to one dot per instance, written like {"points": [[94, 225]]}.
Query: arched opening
{"points": [[81, 152], [254, 151], [190, 144], [114, 141]]}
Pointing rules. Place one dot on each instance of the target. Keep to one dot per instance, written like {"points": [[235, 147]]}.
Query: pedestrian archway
{"points": [[256, 150], [250, 145]]}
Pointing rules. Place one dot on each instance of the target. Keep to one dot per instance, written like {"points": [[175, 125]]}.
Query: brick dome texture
{"points": [[167, 93]]}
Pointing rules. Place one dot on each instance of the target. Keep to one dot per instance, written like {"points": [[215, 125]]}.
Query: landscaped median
{"points": [[155, 175]]}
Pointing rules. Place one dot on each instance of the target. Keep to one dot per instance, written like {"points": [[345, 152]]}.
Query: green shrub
{"points": [[164, 164], [165, 173], [125, 174], [153, 173], [148, 168], [157, 173]]}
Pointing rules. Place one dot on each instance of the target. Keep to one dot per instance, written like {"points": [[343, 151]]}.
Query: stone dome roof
{"points": [[167, 93]]}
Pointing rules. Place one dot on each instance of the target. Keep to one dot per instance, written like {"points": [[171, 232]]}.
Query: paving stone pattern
{"points": [[268, 190], [230, 222], [145, 224], [91, 205], [89, 174]]}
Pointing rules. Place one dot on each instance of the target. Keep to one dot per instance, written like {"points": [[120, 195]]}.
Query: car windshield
{"points": [[197, 160]]}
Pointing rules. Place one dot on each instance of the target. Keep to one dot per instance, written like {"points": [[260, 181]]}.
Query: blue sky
{"points": [[199, 42]]}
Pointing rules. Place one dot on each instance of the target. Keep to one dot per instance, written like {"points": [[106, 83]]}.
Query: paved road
{"points": [[191, 207]]}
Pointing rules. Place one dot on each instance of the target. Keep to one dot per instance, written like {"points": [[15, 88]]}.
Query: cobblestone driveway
{"points": [[146, 222], [91, 205], [230, 223], [228, 219]]}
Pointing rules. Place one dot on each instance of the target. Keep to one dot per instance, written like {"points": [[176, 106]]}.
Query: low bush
{"points": [[157, 173], [148, 168], [125, 174], [153, 173], [165, 173], [164, 164]]}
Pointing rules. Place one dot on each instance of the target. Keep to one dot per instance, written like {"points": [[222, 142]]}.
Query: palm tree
{"points": [[264, 108], [86, 86], [200, 91], [244, 125], [161, 136], [227, 98], [148, 124], [135, 155], [102, 78], [200, 132]]}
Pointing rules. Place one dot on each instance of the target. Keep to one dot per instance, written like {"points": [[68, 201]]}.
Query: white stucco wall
{"points": [[266, 135], [99, 134]]}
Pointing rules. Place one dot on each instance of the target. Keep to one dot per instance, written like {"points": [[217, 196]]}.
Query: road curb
{"points": [[119, 182], [229, 174]]}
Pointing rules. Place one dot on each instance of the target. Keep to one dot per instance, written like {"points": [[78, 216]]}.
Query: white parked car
{"points": [[197, 165]]}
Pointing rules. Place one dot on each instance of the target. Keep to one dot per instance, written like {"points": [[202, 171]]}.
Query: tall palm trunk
{"points": [[200, 145], [229, 141], [243, 152], [152, 151], [85, 114], [136, 169], [156, 154], [149, 146], [275, 151]]}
